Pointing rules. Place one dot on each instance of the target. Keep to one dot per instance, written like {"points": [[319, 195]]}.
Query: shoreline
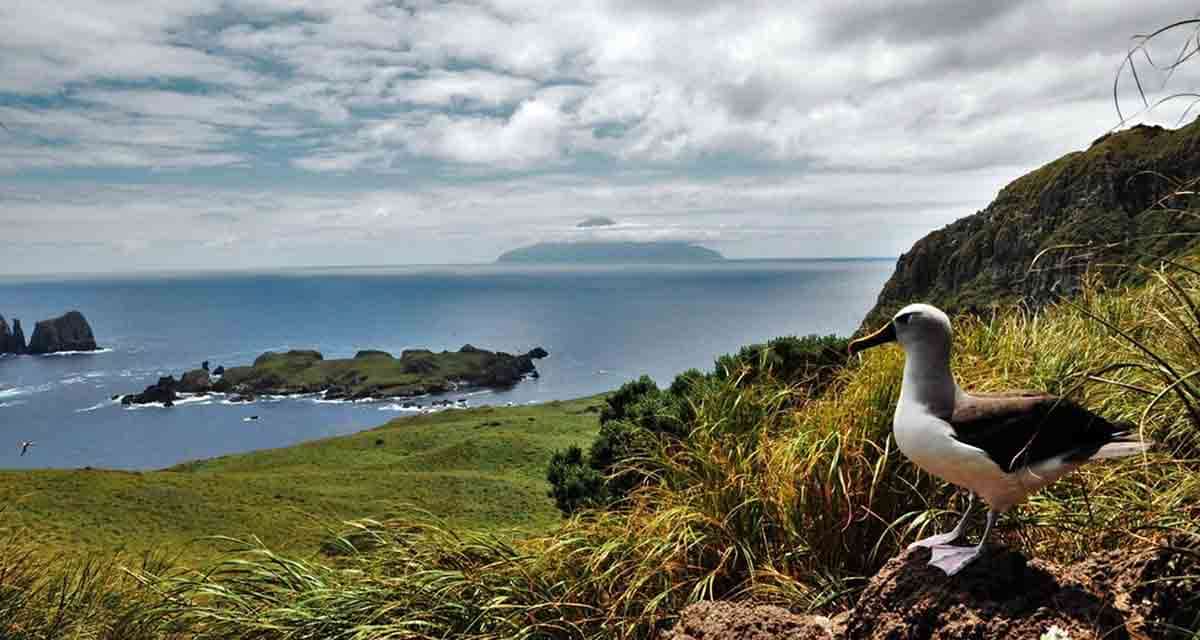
{"points": [[459, 405]]}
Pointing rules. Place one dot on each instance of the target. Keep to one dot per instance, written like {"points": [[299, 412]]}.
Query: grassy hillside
{"points": [[479, 469], [765, 493], [774, 496]]}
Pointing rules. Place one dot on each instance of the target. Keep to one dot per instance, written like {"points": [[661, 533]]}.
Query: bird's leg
{"points": [[951, 536], [953, 559]]}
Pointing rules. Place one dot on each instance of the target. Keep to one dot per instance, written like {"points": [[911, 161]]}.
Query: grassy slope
{"points": [[454, 464]]}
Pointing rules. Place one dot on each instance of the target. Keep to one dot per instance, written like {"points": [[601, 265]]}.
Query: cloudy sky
{"points": [[202, 134]]}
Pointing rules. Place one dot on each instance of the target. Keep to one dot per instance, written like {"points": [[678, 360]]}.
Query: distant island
{"points": [[611, 253], [369, 374]]}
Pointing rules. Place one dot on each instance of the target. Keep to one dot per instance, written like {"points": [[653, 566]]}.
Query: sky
{"points": [[196, 134]]}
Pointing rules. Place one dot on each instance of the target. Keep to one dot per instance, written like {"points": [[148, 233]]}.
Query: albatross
{"points": [[1001, 447]]}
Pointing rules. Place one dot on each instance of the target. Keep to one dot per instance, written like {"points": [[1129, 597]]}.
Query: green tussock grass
{"points": [[478, 469]]}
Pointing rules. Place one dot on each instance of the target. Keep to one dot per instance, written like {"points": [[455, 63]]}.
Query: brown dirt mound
{"points": [[1143, 593], [734, 621]]}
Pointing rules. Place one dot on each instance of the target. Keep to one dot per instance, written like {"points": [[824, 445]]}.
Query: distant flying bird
{"points": [[25, 446], [1002, 446]]}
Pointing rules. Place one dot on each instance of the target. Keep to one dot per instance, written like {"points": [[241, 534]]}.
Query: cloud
{"points": [[763, 128]]}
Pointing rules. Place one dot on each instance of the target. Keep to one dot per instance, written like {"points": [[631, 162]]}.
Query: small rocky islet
{"points": [[68, 332], [370, 374]]}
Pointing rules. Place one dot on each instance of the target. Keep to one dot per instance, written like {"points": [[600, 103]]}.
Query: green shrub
{"points": [[574, 485], [636, 417]]}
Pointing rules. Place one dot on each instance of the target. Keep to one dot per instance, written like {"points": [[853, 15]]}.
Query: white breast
{"points": [[929, 442]]}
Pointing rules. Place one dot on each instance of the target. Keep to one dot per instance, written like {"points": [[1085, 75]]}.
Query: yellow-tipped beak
{"points": [[884, 335]]}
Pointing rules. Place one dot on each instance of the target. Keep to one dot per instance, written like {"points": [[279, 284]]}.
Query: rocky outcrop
{"points": [[162, 392], [11, 340], [369, 374], [68, 332], [372, 353], [1138, 592], [166, 391], [1088, 210], [195, 381]]}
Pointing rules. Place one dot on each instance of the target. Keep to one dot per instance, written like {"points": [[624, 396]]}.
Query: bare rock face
{"points": [[1139, 592], [68, 332], [1099, 201], [731, 621]]}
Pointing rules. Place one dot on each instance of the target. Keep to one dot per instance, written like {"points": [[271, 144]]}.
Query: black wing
{"points": [[1018, 430]]}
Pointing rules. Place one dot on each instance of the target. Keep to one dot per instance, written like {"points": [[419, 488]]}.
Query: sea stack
{"points": [[18, 337], [68, 332], [11, 341]]}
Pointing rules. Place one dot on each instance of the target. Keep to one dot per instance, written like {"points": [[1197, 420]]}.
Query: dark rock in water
{"points": [[537, 353], [195, 381], [219, 371], [18, 338], [163, 391], [243, 397], [5, 337], [68, 332], [11, 341], [372, 353], [1088, 208]]}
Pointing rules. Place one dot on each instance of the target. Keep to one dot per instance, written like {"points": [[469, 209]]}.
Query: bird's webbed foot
{"points": [[951, 559]]}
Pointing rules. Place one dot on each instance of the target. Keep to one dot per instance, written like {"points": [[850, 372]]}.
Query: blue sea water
{"points": [[601, 325]]}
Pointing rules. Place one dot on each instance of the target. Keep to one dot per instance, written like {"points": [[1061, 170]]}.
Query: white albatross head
{"points": [[924, 333], [922, 330]]}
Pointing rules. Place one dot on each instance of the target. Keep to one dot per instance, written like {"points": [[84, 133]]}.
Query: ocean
{"points": [[602, 327]]}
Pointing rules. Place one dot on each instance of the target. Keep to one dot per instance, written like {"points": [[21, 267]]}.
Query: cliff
{"points": [[611, 253], [68, 332], [1103, 196]]}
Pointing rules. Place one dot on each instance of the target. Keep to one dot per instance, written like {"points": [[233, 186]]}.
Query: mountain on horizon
{"points": [[672, 252]]}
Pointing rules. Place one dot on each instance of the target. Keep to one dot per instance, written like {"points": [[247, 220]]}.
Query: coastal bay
{"points": [[601, 325]]}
